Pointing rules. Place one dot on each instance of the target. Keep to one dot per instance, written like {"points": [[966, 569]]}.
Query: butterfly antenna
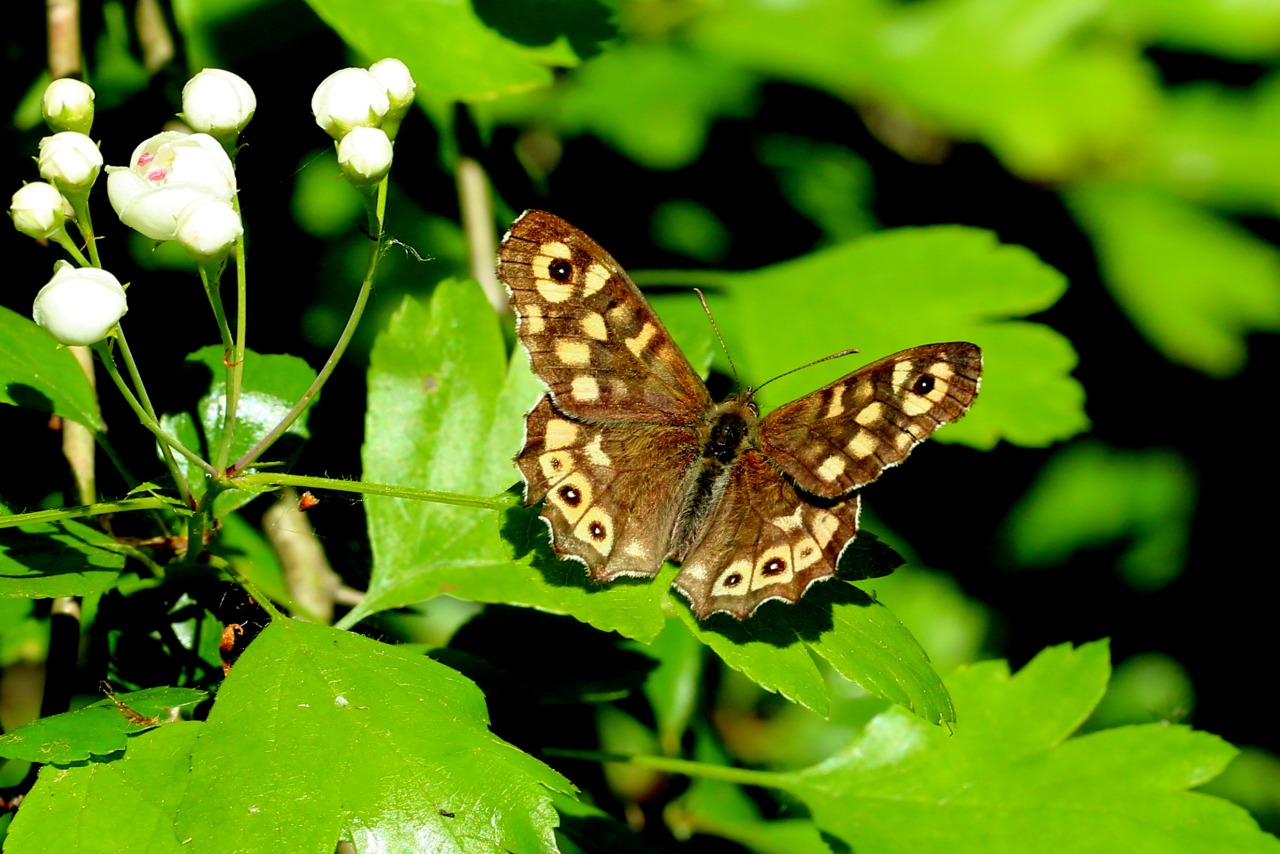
{"points": [[716, 329], [839, 355]]}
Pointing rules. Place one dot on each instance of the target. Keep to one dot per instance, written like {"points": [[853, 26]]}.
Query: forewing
{"points": [[764, 540], [844, 435], [612, 492], [590, 334]]}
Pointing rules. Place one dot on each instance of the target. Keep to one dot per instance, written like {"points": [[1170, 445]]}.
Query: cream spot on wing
{"points": [[836, 406], [556, 249], [902, 373], [863, 392], [596, 530], [696, 571], [789, 523], [585, 389], [636, 549], [734, 581], [596, 453], [531, 320], [823, 525], [940, 389], [641, 341], [904, 441], [870, 414], [807, 553], [553, 291], [594, 279], [575, 353], [560, 434], [942, 371], [593, 325], [773, 567], [620, 314], [832, 467], [913, 404], [862, 445], [556, 466], [572, 497]]}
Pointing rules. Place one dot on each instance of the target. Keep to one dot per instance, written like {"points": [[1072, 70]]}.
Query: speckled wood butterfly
{"points": [[635, 463]]}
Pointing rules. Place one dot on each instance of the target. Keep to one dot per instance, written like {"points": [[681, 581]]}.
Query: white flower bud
{"points": [[349, 98], [218, 102], [394, 75], [167, 173], [38, 210], [80, 305], [208, 228], [365, 155], [68, 105], [69, 161]]}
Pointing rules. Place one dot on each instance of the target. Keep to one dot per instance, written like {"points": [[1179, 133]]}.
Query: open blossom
{"points": [[69, 161], [167, 173], [218, 102], [38, 210], [349, 98], [80, 305], [68, 105]]}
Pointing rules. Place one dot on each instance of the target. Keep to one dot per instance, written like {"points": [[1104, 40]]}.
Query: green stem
{"points": [[83, 511], [210, 276], [146, 414], [339, 348], [365, 488], [84, 224], [261, 598], [64, 240], [672, 765]]}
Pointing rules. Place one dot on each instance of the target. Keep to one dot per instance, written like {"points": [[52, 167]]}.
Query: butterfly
{"points": [[634, 463]]}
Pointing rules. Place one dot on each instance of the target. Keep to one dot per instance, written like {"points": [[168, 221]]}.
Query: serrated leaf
{"points": [[470, 52], [1009, 780], [65, 558], [38, 373], [272, 384], [902, 288], [403, 722], [97, 730], [446, 412], [1163, 260]]}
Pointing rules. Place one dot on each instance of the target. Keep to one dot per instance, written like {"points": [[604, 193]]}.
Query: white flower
{"points": [[68, 105], [365, 155], [207, 228], [349, 98], [38, 210], [167, 173], [395, 76], [218, 102], [70, 161], [80, 305]]}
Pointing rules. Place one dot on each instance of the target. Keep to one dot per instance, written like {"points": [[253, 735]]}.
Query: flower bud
{"points": [[218, 102], [68, 105], [349, 98], [207, 228], [365, 155], [395, 75], [69, 161], [80, 305], [166, 173], [38, 210]]}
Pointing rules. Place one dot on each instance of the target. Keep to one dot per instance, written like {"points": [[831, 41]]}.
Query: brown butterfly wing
{"points": [[765, 541], [843, 435], [591, 336], [606, 501]]}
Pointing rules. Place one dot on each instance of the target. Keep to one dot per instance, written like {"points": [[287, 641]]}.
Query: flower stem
{"points": [[101, 508], [210, 277], [357, 311]]}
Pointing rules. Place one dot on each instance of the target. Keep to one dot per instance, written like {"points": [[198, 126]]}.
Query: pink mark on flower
{"points": [[157, 174], [146, 157]]}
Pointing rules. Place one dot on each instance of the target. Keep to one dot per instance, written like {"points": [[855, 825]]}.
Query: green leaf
{"points": [[470, 52], [902, 288], [402, 720], [446, 412], [1163, 260], [272, 384], [1009, 780], [54, 559], [38, 373], [1088, 495], [95, 730], [1239, 30], [829, 184], [673, 689]]}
